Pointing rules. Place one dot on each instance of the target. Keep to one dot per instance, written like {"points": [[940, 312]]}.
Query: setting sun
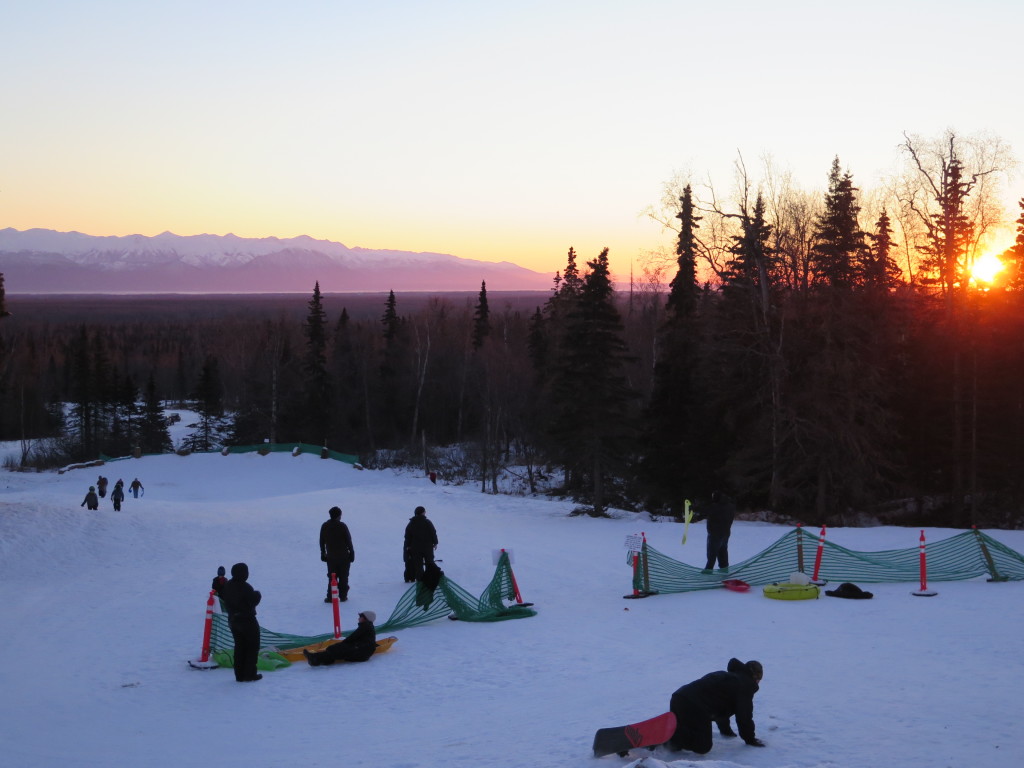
{"points": [[986, 268]]}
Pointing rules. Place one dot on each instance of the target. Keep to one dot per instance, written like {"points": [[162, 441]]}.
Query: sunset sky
{"points": [[496, 131]]}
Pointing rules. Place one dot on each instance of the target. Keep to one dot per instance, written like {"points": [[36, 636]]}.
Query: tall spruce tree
{"points": [[209, 403], [838, 241], [315, 415], [670, 462], [3, 298], [744, 395], [592, 425], [153, 434], [481, 318], [880, 272]]}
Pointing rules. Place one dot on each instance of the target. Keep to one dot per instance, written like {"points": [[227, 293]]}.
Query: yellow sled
{"points": [[787, 591], [295, 654]]}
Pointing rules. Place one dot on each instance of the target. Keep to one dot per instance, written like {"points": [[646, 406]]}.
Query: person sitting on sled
{"points": [[715, 698], [359, 646]]}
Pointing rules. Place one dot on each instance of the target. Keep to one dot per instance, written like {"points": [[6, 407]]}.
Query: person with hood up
{"points": [[91, 500], [117, 495], [337, 551], [420, 543], [240, 601], [715, 698], [359, 646], [101, 485]]}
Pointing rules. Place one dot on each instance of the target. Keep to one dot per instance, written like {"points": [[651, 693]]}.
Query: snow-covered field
{"points": [[100, 612]]}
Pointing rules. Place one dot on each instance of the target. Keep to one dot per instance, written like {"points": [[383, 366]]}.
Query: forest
{"points": [[822, 357]]}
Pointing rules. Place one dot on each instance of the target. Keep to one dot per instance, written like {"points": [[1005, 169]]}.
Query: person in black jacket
{"points": [[359, 646], [337, 551], [219, 580], [420, 543], [719, 514], [715, 698], [117, 495], [240, 601], [91, 499]]}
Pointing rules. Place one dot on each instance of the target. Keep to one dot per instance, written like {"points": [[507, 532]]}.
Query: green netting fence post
{"points": [[988, 556], [800, 547]]}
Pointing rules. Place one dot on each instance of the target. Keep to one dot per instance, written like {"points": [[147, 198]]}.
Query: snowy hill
{"points": [[45, 261], [101, 611]]}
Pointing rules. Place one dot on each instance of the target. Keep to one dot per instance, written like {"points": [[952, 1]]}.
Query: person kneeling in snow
{"points": [[359, 646], [715, 698]]}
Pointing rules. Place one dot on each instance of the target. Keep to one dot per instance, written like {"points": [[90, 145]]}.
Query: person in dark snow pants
{"points": [[101, 486], [715, 698], [91, 500], [420, 543], [719, 514], [240, 601], [337, 551], [117, 495], [359, 646]]}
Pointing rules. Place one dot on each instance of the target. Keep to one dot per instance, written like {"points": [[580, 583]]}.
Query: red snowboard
{"points": [[649, 733]]}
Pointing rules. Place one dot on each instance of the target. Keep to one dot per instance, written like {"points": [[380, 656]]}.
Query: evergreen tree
{"points": [[880, 271], [153, 434], [316, 414], [742, 383], [390, 318], [671, 459], [592, 425], [3, 298], [1013, 258], [481, 319], [209, 403], [682, 296], [839, 242]]}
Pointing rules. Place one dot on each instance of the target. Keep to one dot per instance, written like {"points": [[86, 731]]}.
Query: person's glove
{"points": [[323, 557], [755, 742]]}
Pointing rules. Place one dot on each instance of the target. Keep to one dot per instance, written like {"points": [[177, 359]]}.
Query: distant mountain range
{"points": [[45, 261]]}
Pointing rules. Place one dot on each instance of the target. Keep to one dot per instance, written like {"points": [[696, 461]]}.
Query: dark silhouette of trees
{"points": [[592, 427], [153, 434]]}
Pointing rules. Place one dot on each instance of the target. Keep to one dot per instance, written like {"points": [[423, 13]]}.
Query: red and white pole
{"points": [[924, 591], [207, 629], [335, 604], [817, 557], [204, 661]]}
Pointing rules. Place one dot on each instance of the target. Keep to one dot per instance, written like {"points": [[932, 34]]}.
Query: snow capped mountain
{"points": [[46, 261]]}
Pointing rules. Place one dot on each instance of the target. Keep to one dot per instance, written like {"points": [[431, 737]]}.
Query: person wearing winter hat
{"points": [[91, 500], [359, 646], [117, 495], [337, 551], [715, 698], [240, 601], [219, 580], [420, 543]]}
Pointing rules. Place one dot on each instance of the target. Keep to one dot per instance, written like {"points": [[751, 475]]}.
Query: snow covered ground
{"points": [[100, 612]]}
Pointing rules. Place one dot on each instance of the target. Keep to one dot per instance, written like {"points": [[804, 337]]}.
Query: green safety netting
{"points": [[418, 605], [963, 556]]}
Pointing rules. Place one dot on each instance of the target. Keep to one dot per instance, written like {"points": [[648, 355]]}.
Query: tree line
{"points": [[798, 352]]}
